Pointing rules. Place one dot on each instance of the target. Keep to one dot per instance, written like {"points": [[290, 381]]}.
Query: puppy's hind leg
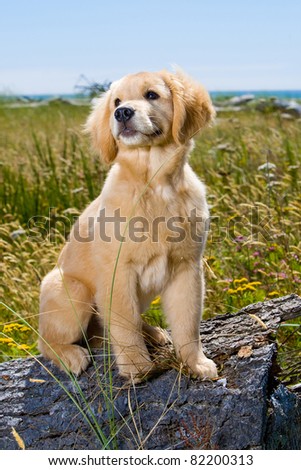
{"points": [[65, 311]]}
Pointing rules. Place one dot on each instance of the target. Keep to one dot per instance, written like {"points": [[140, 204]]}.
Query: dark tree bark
{"points": [[245, 409]]}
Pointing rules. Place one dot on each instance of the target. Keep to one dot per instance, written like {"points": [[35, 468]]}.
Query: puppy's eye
{"points": [[117, 102], [151, 95]]}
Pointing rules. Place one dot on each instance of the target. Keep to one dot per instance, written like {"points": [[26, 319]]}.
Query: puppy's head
{"points": [[148, 109]]}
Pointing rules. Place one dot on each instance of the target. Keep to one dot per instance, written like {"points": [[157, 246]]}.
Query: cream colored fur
{"points": [[151, 178]]}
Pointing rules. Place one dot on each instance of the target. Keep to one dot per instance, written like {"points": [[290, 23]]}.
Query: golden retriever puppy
{"points": [[143, 236]]}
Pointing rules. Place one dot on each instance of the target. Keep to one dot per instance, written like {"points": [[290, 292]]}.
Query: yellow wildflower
{"points": [[11, 326], [6, 329], [241, 289], [232, 291], [274, 293], [249, 287], [5, 340], [240, 281], [25, 328], [23, 346], [156, 301]]}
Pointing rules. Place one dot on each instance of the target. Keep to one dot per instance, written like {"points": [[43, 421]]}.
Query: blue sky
{"points": [[228, 45]]}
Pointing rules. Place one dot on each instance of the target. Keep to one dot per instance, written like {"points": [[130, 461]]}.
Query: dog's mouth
{"points": [[128, 132]]}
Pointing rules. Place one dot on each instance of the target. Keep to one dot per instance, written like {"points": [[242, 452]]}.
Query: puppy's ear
{"points": [[193, 109], [98, 126]]}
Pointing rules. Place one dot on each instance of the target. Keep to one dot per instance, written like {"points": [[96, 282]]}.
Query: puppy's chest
{"points": [[163, 200], [168, 239], [152, 275]]}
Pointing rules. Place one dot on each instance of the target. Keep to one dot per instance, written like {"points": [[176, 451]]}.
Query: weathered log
{"points": [[245, 409]]}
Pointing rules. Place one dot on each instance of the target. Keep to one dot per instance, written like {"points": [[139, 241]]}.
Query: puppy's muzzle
{"points": [[124, 114]]}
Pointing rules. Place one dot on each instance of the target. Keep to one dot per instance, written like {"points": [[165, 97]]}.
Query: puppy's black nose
{"points": [[124, 114]]}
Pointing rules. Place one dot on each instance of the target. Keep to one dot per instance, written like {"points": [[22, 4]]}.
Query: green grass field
{"points": [[250, 162]]}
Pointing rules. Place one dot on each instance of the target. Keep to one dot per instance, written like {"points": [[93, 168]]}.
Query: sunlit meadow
{"points": [[250, 162]]}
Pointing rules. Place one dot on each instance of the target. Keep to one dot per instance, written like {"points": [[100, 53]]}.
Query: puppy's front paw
{"points": [[205, 368], [75, 358], [134, 368]]}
